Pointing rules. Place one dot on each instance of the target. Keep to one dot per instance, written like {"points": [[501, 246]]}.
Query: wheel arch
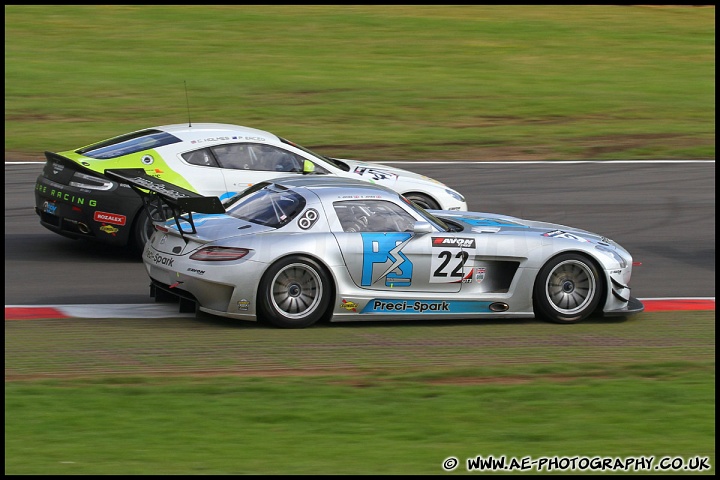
{"points": [[603, 278], [427, 195], [327, 270]]}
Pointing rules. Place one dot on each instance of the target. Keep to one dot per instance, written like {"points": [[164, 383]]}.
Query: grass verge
{"points": [[377, 82]]}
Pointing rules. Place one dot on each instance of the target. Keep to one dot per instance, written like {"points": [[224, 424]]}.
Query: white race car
{"points": [[208, 158]]}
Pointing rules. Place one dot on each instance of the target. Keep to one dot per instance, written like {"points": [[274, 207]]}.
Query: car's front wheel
{"points": [[294, 292], [568, 289]]}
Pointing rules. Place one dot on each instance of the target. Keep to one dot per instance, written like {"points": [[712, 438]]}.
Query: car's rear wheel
{"points": [[423, 201], [568, 289], [142, 230], [294, 292]]}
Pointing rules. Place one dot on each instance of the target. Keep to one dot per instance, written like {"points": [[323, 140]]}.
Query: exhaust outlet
{"points": [[83, 228], [499, 307]]}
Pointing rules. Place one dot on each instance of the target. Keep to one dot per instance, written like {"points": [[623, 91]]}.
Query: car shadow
{"points": [[53, 248], [213, 320]]}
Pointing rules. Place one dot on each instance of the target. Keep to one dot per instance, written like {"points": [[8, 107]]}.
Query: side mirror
{"points": [[422, 228]]}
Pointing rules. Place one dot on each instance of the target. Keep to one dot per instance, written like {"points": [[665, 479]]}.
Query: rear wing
{"points": [[164, 200]]}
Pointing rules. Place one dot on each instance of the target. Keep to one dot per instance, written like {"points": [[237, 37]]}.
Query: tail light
{"points": [[219, 254], [90, 182]]}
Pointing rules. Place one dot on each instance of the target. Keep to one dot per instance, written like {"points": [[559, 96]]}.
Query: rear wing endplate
{"points": [[164, 200]]}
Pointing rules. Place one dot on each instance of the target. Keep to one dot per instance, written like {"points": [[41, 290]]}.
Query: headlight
{"points": [[91, 182], [455, 195], [611, 252]]}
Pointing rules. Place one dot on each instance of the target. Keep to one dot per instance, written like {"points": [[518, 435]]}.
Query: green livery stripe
{"points": [[158, 168]]}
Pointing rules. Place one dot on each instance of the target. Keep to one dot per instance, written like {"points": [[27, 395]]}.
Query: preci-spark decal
{"points": [[383, 305]]}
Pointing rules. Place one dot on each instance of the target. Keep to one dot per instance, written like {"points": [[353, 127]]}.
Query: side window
{"points": [[237, 156], [274, 159], [372, 216], [201, 157]]}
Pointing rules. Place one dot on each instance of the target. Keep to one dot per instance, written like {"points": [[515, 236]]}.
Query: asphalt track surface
{"points": [[662, 212]]}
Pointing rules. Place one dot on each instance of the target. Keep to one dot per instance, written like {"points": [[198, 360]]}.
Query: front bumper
{"points": [[633, 306]]}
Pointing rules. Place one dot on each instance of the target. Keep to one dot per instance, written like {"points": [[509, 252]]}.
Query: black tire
{"points": [[295, 292], [423, 201], [568, 289], [141, 232]]}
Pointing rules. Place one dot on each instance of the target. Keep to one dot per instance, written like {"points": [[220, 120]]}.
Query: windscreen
{"points": [[272, 206]]}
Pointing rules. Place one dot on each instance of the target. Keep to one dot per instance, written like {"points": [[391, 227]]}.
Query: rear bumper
{"points": [[102, 216], [164, 293]]}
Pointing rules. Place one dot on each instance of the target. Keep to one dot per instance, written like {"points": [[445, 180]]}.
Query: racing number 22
{"points": [[447, 257]]}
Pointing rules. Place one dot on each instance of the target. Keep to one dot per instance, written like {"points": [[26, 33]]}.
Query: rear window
{"points": [[271, 206], [127, 144]]}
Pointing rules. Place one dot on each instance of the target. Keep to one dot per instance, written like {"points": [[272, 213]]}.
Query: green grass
{"points": [[324, 425], [214, 396], [371, 81]]}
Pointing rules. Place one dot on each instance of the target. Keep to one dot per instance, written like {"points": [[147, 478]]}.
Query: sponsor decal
{"points": [[479, 274], [158, 259], [308, 219], [234, 137], [375, 174], [356, 197], [448, 263], [159, 187], [563, 234], [453, 242], [49, 207], [68, 197], [109, 229], [350, 306], [243, 305], [383, 250], [381, 305], [147, 160], [153, 173], [105, 217], [195, 270], [57, 168]]}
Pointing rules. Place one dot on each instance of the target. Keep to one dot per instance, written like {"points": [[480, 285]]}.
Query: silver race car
{"points": [[295, 251]]}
